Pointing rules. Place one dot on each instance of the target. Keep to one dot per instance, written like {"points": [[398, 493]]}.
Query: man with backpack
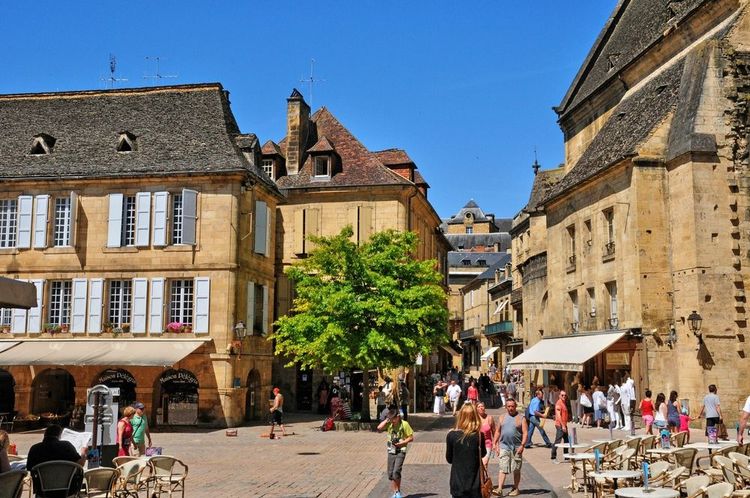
{"points": [[534, 414]]}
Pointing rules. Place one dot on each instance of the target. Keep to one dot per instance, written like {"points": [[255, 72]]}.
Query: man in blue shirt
{"points": [[534, 414]]}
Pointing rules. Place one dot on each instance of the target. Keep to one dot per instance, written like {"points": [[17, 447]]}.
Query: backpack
{"points": [[327, 425]]}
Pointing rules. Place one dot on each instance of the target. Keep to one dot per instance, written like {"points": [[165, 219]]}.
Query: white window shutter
{"points": [[202, 304], [78, 322], [250, 310], [40, 221], [142, 218], [261, 227], [18, 321], [264, 326], [140, 290], [35, 314], [156, 306], [73, 218], [189, 216], [161, 208], [114, 227], [96, 287], [25, 208], [269, 226]]}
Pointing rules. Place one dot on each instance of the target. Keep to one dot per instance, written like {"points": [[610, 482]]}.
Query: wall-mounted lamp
{"points": [[240, 331], [613, 322], [694, 322], [672, 339]]}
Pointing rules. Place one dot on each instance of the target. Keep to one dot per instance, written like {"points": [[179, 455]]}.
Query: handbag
{"points": [[721, 430], [585, 401], [485, 483], [153, 450]]}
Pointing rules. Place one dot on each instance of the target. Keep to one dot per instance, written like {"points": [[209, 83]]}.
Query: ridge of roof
{"points": [[322, 145], [271, 147], [114, 91]]}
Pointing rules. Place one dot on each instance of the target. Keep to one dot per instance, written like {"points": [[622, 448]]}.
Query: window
{"points": [[62, 226], [128, 221], [126, 142], [42, 145], [592, 301], [573, 296], [257, 308], [60, 298], [8, 222], [612, 291], [322, 166], [268, 167], [469, 229], [587, 233], [6, 315], [571, 244], [609, 221], [184, 214], [177, 219], [181, 301], [120, 302]]}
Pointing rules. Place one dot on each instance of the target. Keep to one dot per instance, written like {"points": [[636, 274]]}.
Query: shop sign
{"points": [[179, 376], [618, 359], [116, 376]]}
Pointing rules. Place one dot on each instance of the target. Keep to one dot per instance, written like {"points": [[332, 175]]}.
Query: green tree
{"points": [[366, 306]]}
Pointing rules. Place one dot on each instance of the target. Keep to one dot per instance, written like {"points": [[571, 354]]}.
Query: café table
{"points": [[578, 457], [703, 445], [615, 475], [662, 453], [640, 492]]}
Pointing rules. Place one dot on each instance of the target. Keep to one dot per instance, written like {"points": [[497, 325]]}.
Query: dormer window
{"points": [[322, 166], [268, 168], [126, 142], [42, 145]]}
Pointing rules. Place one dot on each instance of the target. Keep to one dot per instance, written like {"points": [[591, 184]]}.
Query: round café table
{"points": [[615, 475], [640, 492], [578, 457], [703, 445]]}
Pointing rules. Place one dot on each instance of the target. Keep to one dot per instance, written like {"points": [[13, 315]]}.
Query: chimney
{"points": [[297, 130]]}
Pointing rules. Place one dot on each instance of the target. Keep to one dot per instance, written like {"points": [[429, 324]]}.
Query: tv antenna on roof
{"points": [[157, 76], [112, 80], [311, 80]]}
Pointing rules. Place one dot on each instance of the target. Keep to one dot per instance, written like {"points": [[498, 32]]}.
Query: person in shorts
{"points": [[711, 408], [509, 443], [277, 412], [400, 434], [141, 433]]}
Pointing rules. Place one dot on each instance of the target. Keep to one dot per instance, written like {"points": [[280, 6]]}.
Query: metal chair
{"points": [[719, 490], [686, 458], [11, 483], [57, 479], [168, 475], [7, 420], [100, 482]]}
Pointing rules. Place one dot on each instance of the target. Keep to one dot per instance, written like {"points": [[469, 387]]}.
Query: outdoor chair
{"points": [[131, 479], [99, 482], [7, 421], [669, 479], [57, 479], [742, 465], [620, 461], [714, 472], [685, 457], [168, 475], [723, 451], [119, 460], [695, 485], [657, 469], [647, 443], [11, 483], [612, 445], [732, 476], [719, 490], [678, 439]]}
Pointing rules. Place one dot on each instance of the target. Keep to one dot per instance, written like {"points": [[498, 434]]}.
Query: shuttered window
{"points": [[95, 305], [62, 229], [8, 222], [6, 314], [202, 305], [60, 301], [119, 302], [128, 221], [41, 207], [78, 307], [261, 227], [140, 291], [35, 313], [181, 301], [25, 209], [161, 208]]}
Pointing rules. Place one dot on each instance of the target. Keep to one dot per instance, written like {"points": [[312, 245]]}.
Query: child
{"points": [[685, 424]]}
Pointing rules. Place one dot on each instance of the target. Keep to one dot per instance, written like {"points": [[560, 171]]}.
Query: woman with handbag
{"points": [[125, 431], [464, 451]]}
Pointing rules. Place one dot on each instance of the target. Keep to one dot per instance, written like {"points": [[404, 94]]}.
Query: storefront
{"points": [[53, 392], [121, 379], [178, 398]]}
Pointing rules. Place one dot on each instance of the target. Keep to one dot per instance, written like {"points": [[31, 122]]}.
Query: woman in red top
{"points": [[472, 393], [125, 432], [647, 411]]}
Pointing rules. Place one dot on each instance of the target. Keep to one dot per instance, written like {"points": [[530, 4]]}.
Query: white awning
{"points": [[564, 353], [155, 352], [489, 352], [450, 350]]}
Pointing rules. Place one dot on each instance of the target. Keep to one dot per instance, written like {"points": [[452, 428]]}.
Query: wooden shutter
{"points": [[189, 216], [261, 227], [40, 221], [202, 305], [264, 328], [250, 313], [156, 306], [365, 224], [142, 218], [352, 218], [312, 227], [161, 209], [35, 314], [18, 321], [299, 231], [78, 320], [25, 208], [114, 225], [73, 218], [140, 290], [96, 288]]}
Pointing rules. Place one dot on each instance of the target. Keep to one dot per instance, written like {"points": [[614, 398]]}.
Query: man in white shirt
{"points": [[744, 416], [627, 393], [454, 393]]}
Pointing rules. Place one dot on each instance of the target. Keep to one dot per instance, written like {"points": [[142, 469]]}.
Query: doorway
{"points": [[253, 400], [304, 389], [53, 391], [7, 392]]}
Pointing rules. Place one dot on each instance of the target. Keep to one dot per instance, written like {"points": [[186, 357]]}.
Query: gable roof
{"points": [[323, 145], [472, 208], [271, 148], [359, 166], [633, 27], [544, 182], [178, 129], [393, 156]]}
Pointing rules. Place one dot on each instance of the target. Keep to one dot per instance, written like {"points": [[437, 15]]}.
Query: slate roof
{"points": [[489, 273], [633, 27], [178, 129], [359, 166], [456, 258], [322, 145], [470, 240], [470, 207], [271, 148], [630, 124], [393, 157]]}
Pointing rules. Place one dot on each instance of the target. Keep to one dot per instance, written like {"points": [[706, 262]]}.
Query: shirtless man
{"points": [[277, 412]]}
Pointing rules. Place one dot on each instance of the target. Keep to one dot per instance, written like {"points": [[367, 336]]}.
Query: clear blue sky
{"points": [[465, 87]]}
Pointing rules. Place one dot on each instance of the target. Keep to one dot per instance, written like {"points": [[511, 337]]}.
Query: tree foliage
{"points": [[372, 305]]}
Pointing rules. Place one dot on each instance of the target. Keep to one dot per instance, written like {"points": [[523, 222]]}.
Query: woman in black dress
{"points": [[463, 446]]}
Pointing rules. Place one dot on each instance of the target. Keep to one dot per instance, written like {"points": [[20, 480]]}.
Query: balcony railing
{"points": [[468, 334], [504, 327]]}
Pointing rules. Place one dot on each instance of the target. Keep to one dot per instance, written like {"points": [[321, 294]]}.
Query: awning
{"points": [[565, 353], [489, 352], [154, 352], [17, 294], [450, 350]]}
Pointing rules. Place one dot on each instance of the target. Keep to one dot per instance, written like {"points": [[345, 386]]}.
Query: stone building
{"points": [[330, 180], [144, 223], [647, 221]]}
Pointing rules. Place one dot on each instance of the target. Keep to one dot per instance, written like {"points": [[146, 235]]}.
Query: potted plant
{"points": [[64, 328], [174, 328], [125, 328], [51, 328], [5, 329], [107, 327]]}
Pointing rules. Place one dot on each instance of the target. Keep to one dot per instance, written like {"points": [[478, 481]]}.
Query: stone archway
{"points": [[53, 391], [177, 402], [253, 398], [7, 392], [122, 379]]}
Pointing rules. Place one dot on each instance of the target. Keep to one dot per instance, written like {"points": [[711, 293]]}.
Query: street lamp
{"points": [[694, 321], [240, 331]]}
